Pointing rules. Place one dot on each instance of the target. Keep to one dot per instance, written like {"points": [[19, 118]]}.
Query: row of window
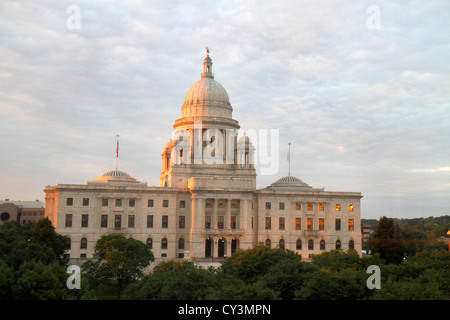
{"points": [[309, 206], [119, 203], [309, 224], [298, 244], [149, 241]]}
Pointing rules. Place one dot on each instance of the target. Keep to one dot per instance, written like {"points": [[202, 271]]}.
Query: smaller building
{"points": [[21, 211]]}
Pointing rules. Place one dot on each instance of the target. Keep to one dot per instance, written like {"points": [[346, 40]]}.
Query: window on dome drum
{"points": [[321, 207], [150, 221], [350, 207], [350, 225], [132, 203], [165, 222], [118, 202], [181, 222], [68, 220], [298, 223], [85, 202], [150, 203], [165, 203], [268, 223], [131, 221], [337, 207], [281, 223], [104, 221], [309, 206], [281, 205], [69, 202], [268, 205], [105, 202], [298, 206], [84, 220]]}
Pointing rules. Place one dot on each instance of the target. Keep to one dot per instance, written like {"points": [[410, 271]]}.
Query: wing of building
{"points": [[206, 205]]}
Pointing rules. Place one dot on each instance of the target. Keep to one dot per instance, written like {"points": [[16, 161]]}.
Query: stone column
{"points": [[197, 245]]}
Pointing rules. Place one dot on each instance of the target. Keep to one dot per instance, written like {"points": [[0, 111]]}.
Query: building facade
{"points": [[21, 211], [206, 205]]}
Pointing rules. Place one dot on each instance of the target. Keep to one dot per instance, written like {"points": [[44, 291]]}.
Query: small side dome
{"points": [[115, 176], [289, 179], [289, 183]]}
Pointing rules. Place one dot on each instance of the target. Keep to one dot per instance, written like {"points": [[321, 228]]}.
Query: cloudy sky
{"points": [[360, 88]]}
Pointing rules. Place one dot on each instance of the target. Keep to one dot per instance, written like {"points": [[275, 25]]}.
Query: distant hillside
{"points": [[417, 227]]}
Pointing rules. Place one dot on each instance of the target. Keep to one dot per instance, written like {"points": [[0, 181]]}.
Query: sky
{"points": [[361, 90]]}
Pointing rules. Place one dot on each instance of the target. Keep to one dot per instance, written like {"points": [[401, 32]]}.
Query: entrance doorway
{"points": [[222, 244], [208, 247]]}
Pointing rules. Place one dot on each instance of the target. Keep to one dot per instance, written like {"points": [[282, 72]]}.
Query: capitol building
{"points": [[206, 205]]}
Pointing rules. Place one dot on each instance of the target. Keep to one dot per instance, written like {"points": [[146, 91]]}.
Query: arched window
{"points": [[351, 244], [83, 243], [310, 245], [268, 243], [322, 244], [181, 243], [298, 244], [281, 244], [338, 244], [150, 243], [164, 243]]}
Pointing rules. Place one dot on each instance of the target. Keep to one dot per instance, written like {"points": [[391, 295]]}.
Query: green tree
{"points": [[119, 258], [385, 241]]}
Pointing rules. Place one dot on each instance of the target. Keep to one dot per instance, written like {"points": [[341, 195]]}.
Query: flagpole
{"points": [[289, 159], [117, 151]]}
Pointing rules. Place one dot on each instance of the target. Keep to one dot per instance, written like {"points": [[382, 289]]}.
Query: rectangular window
{"points": [[321, 224], [118, 221], [131, 221], [321, 207], [350, 208], [84, 220], [165, 203], [207, 222], [298, 206], [351, 225], [150, 221], [104, 221], [220, 222], [337, 207], [69, 201], [68, 220], [233, 222], [150, 203], [268, 205], [281, 205], [309, 206], [298, 223], [338, 224], [268, 223], [165, 221], [132, 203], [105, 202], [182, 204], [309, 224], [281, 223], [118, 202], [85, 202], [181, 222]]}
